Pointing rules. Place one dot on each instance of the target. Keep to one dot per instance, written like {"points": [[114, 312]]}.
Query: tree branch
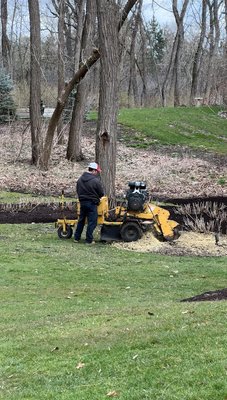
{"points": [[79, 75]]}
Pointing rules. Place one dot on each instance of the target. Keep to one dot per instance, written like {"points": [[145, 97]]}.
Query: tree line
{"points": [[104, 53]]}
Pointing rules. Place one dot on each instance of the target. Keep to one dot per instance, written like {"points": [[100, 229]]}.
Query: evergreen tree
{"points": [[156, 40], [7, 106]]}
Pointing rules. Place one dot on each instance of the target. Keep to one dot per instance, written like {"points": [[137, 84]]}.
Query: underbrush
{"points": [[80, 322]]}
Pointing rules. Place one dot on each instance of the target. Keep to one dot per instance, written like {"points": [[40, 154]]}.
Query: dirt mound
{"points": [[189, 243]]}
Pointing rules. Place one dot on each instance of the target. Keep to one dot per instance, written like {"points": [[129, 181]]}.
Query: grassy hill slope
{"points": [[201, 127]]}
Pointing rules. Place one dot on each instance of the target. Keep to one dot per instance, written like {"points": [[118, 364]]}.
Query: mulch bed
{"points": [[215, 295], [38, 213]]}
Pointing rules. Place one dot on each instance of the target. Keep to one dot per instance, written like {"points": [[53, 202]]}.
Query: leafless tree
{"points": [[133, 86], [144, 69], [61, 60], [225, 58], [213, 38], [74, 151], [5, 39], [198, 54], [172, 76], [35, 77], [106, 135], [78, 76]]}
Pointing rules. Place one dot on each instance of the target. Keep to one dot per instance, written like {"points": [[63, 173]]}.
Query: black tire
{"points": [[131, 231], [67, 234]]}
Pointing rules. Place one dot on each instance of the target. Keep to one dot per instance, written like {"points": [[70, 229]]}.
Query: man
{"points": [[90, 191]]}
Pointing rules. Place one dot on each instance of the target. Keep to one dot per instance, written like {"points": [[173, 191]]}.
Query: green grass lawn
{"points": [[79, 322], [197, 127]]}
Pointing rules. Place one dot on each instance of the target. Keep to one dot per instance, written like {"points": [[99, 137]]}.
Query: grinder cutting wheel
{"points": [[128, 221]]}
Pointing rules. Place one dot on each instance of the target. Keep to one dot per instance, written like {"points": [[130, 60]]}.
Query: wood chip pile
{"points": [[189, 243]]}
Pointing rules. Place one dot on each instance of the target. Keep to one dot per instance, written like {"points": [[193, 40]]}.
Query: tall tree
{"points": [[61, 60], [35, 78], [5, 39], [172, 77], [198, 54], [133, 86], [83, 49], [214, 38], [179, 17], [78, 76], [106, 135], [225, 58]]}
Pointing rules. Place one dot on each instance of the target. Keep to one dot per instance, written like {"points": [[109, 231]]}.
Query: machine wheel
{"points": [[67, 234], [131, 231]]}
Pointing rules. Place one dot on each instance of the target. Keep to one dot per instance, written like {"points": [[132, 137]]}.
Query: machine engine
{"points": [[136, 196]]}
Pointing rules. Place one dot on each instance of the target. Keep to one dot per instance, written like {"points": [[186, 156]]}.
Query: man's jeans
{"points": [[87, 210]]}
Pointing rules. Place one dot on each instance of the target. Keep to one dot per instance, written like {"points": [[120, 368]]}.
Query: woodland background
{"points": [[81, 55]]}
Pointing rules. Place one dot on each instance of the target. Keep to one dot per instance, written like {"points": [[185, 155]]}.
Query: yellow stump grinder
{"points": [[128, 221]]}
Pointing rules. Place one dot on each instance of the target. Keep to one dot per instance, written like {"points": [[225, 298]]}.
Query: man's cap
{"points": [[94, 165]]}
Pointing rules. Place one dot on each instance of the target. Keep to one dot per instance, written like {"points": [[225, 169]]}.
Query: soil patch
{"points": [[38, 213], [215, 295]]}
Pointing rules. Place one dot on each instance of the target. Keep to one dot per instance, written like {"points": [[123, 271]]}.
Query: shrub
{"points": [[7, 105]]}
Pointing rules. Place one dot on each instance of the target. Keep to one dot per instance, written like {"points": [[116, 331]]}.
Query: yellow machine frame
{"points": [[158, 217]]}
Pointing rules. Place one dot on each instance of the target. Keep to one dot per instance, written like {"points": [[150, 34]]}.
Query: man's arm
{"points": [[100, 189]]}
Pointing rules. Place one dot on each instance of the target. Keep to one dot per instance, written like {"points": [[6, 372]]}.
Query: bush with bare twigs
{"points": [[204, 217]]}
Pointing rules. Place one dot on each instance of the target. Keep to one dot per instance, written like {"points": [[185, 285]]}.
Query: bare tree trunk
{"points": [[144, 75], [174, 63], [106, 135], [5, 39], [79, 32], [35, 90], [133, 87], [214, 38], [169, 71], [78, 76], [198, 54], [177, 60], [61, 62], [225, 59], [68, 35], [74, 150]]}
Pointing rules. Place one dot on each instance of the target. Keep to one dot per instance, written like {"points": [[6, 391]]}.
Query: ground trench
{"points": [[46, 213]]}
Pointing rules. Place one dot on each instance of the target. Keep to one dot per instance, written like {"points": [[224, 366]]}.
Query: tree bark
{"points": [[5, 39], [214, 37], [198, 54], [106, 135], [61, 63], [133, 87], [177, 60], [35, 77], [74, 150], [143, 70], [225, 58], [174, 63]]}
